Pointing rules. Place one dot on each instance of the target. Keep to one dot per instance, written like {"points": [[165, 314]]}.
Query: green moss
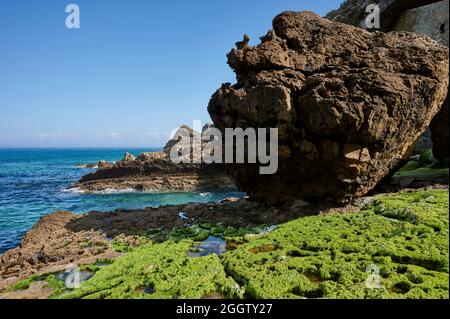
{"points": [[425, 166], [423, 171], [200, 232], [410, 166], [58, 286], [159, 271], [426, 157], [405, 235], [24, 284]]}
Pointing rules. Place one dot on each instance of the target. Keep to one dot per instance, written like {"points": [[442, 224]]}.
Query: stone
{"points": [[422, 17], [128, 157], [349, 105], [353, 12], [431, 20], [104, 164]]}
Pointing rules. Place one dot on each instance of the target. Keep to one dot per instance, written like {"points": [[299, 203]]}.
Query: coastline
{"points": [[62, 238]]}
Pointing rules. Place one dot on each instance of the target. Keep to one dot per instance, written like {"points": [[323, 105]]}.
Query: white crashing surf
{"points": [[106, 191], [204, 194]]}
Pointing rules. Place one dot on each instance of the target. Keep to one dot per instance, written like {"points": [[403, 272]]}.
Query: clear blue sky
{"points": [[134, 71]]}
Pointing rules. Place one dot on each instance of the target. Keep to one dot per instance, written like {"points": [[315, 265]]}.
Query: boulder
{"points": [[348, 104]]}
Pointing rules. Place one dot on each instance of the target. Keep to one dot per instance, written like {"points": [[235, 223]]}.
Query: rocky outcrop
{"points": [[156, 172], [432, 20], [429, 17], [349, 104], [353, 12]]}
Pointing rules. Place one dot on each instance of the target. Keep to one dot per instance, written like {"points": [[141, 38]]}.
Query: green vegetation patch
{"points": [[425, 166], [401, 238], [159, 271], [404, 236], [25, 283]]}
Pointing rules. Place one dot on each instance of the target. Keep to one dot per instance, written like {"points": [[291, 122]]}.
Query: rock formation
{"points": [[349, 104], [429, 17], [154, 171], [353, 12]]}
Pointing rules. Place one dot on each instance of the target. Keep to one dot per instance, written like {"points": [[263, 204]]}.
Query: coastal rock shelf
{"points": [[155, 172], [349, 105], [403, 236]]}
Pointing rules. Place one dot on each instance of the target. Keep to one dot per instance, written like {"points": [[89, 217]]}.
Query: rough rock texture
{"points": [[353, 12], [422, 17], [154, 171], [349, 104], [432, 20], [49, 247]]}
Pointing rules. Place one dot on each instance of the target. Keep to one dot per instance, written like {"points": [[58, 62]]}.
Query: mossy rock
{"points": [[327, 256], [403, 236], [159, 271]]}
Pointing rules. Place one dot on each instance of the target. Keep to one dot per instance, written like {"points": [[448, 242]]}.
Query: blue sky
{"points": [[134, 71]]}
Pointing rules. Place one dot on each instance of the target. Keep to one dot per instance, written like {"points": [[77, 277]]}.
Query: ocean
{"points": [[34, 182]]}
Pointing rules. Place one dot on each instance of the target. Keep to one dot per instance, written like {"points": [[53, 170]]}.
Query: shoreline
{"points": [[63, 238]]}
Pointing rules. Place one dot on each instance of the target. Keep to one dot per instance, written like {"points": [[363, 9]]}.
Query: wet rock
{"points": [[348, 104]]}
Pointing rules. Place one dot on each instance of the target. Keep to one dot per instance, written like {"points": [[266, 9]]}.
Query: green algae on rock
{"points": [[159, 271], [327, 256], [404, 236]]}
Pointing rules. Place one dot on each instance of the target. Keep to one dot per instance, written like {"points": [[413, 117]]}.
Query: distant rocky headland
{"points": [[156, 172]]}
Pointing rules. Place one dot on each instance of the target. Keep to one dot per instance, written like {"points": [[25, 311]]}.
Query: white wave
{"points": [[204, 194], [78, 190], [73, 190], [116, 191]]}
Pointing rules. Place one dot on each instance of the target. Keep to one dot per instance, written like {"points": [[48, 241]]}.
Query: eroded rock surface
{"points": [[349, 104], [428, 17]]}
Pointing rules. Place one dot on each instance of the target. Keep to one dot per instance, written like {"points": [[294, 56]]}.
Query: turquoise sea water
{"points": [[33, 183]]}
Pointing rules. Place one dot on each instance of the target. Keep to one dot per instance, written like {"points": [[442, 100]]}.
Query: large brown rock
{"points": [[349, 104], [429, 17]]}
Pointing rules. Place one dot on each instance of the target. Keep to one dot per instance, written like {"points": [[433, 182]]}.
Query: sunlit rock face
{"points": [[348, 104], [428, 17]]}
